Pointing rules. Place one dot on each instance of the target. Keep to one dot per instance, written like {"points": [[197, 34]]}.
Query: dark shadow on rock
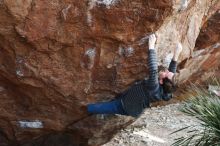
{"points": [[4, 141], [99, 129], [57, 139]]}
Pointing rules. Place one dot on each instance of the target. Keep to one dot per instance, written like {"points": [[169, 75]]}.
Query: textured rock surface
{"points": [[209, 35], [204, 61], [57, 56]]}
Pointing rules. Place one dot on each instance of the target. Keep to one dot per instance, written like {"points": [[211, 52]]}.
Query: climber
{"points": [[139, 96]]}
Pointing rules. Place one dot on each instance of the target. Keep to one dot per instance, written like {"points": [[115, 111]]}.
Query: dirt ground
{"points": [[154, 127]]}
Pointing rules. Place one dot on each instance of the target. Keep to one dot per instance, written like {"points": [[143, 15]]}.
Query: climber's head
{"points": [[166, 79], [165, 74]]}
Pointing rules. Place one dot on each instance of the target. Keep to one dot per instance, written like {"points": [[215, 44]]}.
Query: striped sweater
{"points": [[139, 96]]}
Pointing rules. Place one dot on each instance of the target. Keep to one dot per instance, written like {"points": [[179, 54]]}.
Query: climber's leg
{"points": [[111, 107]]}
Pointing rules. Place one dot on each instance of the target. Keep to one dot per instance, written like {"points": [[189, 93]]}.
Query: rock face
{"points": [[58, 56], [204, 61]]}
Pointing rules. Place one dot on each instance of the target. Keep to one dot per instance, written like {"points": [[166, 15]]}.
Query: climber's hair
{"points": [[161, 68], [168, 85]]}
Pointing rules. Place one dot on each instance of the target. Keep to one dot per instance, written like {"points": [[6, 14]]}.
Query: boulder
{"points": [[58, 56]]}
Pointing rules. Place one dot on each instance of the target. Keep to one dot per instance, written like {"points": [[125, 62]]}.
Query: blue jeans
{"points": [[110, 107]]}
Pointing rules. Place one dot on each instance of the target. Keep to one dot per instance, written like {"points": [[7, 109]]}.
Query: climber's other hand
{"points": [[177, 51]]}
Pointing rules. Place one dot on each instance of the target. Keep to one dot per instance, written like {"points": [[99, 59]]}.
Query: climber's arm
{"points": [[173, 63], [173, 66], [152, 62]]}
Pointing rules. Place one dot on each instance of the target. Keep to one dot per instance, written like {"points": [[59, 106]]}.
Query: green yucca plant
{"points": [[204, 106]]}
